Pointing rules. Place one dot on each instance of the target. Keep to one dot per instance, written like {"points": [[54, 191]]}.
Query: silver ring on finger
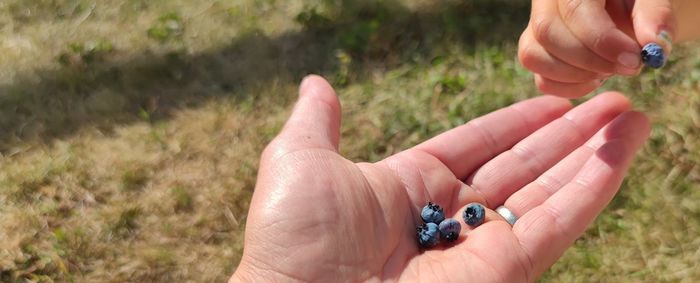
{"points": [[507, 215]]}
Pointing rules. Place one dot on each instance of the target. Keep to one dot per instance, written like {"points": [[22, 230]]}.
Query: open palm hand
{"points": [[316, 216]]}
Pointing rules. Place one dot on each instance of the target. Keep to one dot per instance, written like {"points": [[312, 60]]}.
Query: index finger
{"points": [[590, 23]]}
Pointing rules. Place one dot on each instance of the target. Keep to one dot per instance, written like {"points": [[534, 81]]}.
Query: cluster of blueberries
{"points": [[436, 228]]}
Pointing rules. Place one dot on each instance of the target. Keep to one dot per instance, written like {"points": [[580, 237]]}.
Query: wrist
{"points": [[251, 272], [243, 273]]}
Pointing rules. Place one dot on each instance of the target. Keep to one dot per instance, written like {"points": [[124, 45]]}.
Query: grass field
{"points": [[130, 129]]}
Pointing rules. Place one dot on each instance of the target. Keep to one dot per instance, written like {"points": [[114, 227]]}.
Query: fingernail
{"points": [[629, 60], [626, 71], [305, 81], [665, 40]]}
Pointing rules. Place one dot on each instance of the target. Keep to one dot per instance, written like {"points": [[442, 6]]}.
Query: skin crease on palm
{"points": [[316, 216]]}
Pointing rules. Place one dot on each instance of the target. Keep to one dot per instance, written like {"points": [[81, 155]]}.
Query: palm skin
{"points": [[316, 216]]}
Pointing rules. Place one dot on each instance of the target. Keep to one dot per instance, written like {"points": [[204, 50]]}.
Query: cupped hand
{"points": [[316, 216], [572, 46]]}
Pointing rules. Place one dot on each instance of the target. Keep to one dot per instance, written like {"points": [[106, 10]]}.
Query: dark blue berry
{"points": [[474, 214], [428, 235], [449, 230], [653, 56], [432, 213]]}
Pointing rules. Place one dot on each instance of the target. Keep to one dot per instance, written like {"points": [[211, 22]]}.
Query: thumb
{"points": [[654, 21], [314, 122]]}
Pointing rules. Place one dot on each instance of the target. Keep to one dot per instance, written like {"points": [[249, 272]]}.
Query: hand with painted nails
{"points": [[316, 216], [572, 46]]}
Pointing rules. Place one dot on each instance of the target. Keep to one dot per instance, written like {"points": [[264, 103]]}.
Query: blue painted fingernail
{"points": [[665, 40]]}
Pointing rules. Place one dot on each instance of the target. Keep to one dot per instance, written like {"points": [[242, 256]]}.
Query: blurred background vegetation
{"points": [[130, 129]]}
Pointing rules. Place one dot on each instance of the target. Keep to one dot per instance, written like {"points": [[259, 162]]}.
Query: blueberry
{"points": [[428, 235], [432, 213], [449, 230], [653, 56], [474, 214]]}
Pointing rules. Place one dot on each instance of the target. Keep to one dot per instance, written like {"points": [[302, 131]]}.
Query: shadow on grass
{"points": [[343, 46]]}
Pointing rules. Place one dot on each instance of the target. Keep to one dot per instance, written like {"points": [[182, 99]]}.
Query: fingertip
{"points": [[625, 136], [630, 123], [654, 21], [647, 126], [611, 103], [557, 105], [665, 37], [544, 87], [527, 54], [314, 121], [616, 98], [640, 119], [629, 63], [614, 153], [313, 84], [316, 87], [629, 72]]}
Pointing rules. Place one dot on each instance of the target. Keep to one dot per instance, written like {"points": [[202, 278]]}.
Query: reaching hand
{"points": [[316, 216], [573, 46]]}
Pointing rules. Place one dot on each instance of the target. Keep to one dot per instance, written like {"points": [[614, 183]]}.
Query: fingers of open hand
{"points": [[536, 192], [576, 190], [468, 146], [650, 19], [532, 156]]}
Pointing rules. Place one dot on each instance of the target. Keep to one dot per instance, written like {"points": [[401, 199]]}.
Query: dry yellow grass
{"points": [[130, 129]]}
